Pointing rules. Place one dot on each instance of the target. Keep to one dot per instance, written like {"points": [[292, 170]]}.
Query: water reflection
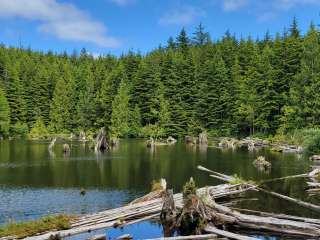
{"points": [[29, 168]]}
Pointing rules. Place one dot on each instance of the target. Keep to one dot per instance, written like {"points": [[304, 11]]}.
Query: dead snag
{"points": [[168, 213]]}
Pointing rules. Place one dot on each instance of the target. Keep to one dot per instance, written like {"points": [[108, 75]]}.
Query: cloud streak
{"points": [[62, 20], [233, 5], [182, 15]]}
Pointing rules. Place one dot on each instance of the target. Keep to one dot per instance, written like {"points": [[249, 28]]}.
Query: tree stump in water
{"points": [[203, 138], [193, 217], [101, 141], [66, 148], [151, 143], [168, 214]]}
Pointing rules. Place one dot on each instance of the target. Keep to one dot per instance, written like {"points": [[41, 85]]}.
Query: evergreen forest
{"points": [[228, 87]]}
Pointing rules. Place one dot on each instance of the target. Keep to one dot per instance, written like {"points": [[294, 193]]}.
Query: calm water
{"points": [[34, 182]]}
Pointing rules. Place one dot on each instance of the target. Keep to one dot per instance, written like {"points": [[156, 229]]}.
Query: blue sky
{"points": [[116, 26]]}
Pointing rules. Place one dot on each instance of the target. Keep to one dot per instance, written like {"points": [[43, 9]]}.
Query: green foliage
{"points": [[19, 129], [38, 130], [311, 142], [120, 122], [4, 115], [153, 130], [227, 87], [189, 188], [26, 229]]}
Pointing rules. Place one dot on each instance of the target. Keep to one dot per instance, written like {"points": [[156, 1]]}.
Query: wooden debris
{"points": [[124, 237], [203, 138], [191, 237], [66, 148], [261, 163], [315, 158], [98, 237], [227, 178], [51, 145], [171, 140], [101, 142], [211, 229]]}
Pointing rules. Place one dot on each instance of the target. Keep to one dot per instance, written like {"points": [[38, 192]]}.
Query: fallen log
{"points": [[227, 178], [281, 216], [231, 235], [192, 237], [134, 213], [272, 224]]}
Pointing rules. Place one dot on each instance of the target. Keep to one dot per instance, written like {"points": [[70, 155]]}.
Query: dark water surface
{"points": [[34, 182]]}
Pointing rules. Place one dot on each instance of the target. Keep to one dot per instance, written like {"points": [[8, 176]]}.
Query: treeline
{"points": [[227, 87]]}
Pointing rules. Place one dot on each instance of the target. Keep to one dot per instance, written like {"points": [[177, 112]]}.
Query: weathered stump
{"points": [[66, 148], [150, 142], [101, 143], [203, 138], [168, 214], [171, 140], [261, 163], [82, 136]]}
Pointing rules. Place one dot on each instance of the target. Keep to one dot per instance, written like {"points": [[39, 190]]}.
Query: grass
{"points": [[30, 228], [239, 180]]}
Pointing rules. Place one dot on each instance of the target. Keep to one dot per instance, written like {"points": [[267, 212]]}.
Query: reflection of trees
{"points": [[132, 167]]}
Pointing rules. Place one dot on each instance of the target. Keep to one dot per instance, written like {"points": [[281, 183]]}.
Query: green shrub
{"points": [[189, 188], [39, 130], [19, 129], [312, 143]]}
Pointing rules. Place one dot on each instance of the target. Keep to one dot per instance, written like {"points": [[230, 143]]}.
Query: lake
{"points": [[34, 182]]}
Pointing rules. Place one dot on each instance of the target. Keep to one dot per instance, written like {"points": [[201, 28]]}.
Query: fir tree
{"points": [[120, 121], [4, 115]]}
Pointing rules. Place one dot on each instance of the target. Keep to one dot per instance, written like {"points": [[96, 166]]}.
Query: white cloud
{"points": [[64, 21], [182, 15], [233, 5]]}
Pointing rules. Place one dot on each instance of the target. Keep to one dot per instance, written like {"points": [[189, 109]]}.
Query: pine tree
{"points": [[63, 102], [86, 99], [120, 121], [201, 37], [303, 109], [15, 96], [4, 115], [107, 93]]}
